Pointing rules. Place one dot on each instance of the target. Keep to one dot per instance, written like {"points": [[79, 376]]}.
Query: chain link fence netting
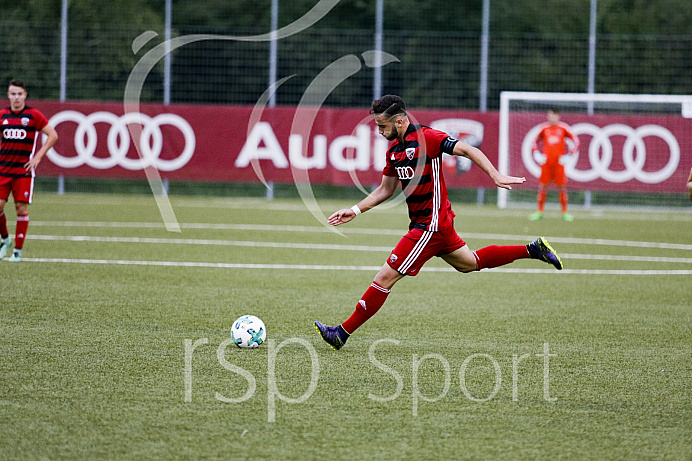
{"points": [[435, 70]]}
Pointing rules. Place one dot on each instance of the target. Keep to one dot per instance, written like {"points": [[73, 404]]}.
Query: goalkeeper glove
{"points": [[539, 157]]}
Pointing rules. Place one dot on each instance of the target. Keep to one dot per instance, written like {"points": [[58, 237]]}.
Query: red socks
{"points": [[375, 296], [542, 195], [540, 199], [563, 200], [495, 255], [22, 226], [369, 304], [3, 225]]}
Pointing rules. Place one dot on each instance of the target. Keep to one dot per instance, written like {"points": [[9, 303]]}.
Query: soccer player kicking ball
{"points": [[414, 159]]}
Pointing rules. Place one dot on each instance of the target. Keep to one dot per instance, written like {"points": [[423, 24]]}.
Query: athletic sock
{"points": [[4, 233], [563, 200], [369, 304], [22, 226], [540, 199], [496, 255]]}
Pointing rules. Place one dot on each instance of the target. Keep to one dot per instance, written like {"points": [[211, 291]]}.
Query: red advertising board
{"points": [[233, 143], [336, 146]]}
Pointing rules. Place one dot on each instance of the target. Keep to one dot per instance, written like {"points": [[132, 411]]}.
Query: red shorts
{"points": [[418, 246], [22, 189], [553, 172]]}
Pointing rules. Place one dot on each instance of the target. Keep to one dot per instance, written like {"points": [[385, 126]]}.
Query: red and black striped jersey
{"points": [[417, 163], [20, 132]]}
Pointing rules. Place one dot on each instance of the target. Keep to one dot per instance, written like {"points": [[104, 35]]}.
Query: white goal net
{"points": [[635, 149]]}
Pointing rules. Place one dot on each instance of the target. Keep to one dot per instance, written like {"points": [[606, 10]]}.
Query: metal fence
{"points": [[436, 70]]}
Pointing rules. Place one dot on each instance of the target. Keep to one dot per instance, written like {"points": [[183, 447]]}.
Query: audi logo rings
{"points": [[601, 153], [150, 145], [405, 172], [14, 133]]}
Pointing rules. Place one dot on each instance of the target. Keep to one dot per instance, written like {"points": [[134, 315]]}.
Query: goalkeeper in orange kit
{"points": [[553, 137]]}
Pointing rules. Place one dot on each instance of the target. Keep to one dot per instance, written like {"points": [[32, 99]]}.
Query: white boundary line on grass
{"points": [[649, 259], [356, 230], [212, 242], [603, 212], [345, 268], [317, 246]]}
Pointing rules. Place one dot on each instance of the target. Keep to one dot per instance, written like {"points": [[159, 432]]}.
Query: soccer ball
{"points": [[248, 332]]}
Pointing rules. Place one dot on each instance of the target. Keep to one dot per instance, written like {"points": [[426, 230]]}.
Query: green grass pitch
{"points": [[99, 321]]}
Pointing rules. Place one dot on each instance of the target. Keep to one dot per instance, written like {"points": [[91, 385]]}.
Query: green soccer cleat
{"points": [[16, 256], [567, 217], [5, 245], [541, 249], [536, 216]]}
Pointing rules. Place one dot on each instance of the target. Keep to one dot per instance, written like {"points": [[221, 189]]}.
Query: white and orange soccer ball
{"points": [[248, 332]]}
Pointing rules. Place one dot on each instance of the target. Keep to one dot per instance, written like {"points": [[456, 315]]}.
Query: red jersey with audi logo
{"points": [[417, 164], [554, 145], [19, 132]]}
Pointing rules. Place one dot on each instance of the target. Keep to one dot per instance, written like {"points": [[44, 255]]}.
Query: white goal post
{"points": [[616, 128]]}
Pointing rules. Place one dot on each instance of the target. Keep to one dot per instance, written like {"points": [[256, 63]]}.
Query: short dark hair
{"points": [[554, 109], [17, 82], [389, 105]]}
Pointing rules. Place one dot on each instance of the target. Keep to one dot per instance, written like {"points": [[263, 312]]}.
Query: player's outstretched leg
{"points": [[5, 245], [541, 249], [334, 336]]}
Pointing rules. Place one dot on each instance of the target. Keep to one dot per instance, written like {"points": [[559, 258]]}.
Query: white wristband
{"points": [[356, 210]]}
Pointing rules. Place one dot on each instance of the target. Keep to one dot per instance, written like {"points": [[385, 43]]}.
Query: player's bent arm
{"points": [[534, 146], [52, 138], [476, 156], [385, 190], [575, 142], [689, 184]]}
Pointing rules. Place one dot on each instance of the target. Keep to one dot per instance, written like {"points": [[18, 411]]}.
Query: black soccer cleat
{"points": [[541, 249], [334, 336]]}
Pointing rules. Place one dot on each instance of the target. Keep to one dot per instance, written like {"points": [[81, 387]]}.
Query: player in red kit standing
{"points": [[553, 135], [414, 160], [20, 126]]}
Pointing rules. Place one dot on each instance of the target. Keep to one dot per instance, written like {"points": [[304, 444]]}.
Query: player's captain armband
{"points": [[356, 210], [448, 144]]}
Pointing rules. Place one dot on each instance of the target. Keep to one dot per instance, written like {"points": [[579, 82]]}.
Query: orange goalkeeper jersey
{"points": [[553, 139]]}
